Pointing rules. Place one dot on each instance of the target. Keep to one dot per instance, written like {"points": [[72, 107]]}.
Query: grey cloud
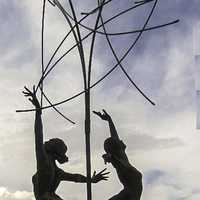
{"points": [[140, 142], [7, 195], [14, 32], [164, 184], [152, 176], [146, 142]]}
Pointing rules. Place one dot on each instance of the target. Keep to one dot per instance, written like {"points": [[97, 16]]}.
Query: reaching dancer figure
{"points": [[49, 175], [128, 175]]}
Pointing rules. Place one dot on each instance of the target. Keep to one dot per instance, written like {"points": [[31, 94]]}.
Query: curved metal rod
{"points": [[42, 56], [77, 38], [92, 43], [107, 21], [87, 104], [122, 33], [57, 3], [63, 40], [112, 34], [52, 3], [69, 120], [41, 85], [42, 47], [97, 8], [102, 78], [81, 52], [120, 65], [90, 29], [126, 32], [136, 2], [133, 31]]}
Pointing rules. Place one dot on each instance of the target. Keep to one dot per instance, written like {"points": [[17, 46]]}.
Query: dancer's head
{"points": [[113, 146], [57, 149]]}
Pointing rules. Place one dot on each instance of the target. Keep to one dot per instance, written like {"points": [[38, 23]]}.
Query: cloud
{"points": [[145, 142], [153, 175], [159, 184], [18, 195]]}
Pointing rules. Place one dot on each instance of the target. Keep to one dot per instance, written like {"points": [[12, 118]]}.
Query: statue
{"points": [[128, 175], [49, 175]]}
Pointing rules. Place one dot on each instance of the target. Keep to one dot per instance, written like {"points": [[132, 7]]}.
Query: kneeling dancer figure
{"points": [[128, 175], [49, 175]]}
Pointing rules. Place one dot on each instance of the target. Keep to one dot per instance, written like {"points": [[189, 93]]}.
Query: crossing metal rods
{"points": [[42, 59], [45, 72], [109, 20]]}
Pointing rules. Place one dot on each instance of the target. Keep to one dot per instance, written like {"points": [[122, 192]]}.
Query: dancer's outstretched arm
{"points": [[106, 117], [39, 147], [79, 178]]}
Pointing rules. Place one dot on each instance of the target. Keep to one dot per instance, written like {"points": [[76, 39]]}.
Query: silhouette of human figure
{"points": [[128, 175], [49, 175]]}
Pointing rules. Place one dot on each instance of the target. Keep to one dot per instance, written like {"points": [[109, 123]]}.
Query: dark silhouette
{"points": [[49, 175], [128, 175]]}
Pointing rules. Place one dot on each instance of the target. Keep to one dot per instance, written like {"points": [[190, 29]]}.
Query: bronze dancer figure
{"points": [[49, 175]]}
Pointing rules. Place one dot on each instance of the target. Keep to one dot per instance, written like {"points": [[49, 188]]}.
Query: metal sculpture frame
{"points": [[86, 70]]}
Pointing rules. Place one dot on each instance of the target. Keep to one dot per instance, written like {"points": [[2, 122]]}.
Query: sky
{"points": [[162, 140]]}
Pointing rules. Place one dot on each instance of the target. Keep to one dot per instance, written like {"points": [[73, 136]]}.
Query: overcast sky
{"points": [[162, 140]]}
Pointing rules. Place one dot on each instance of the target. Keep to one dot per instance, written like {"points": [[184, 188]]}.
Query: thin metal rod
{"points": [[87, 111], [112, 34], [124, 72], [107, 21], [136, 31], [63, 40], [132, 31], [71, 27], [81, 53], [92, 44], [60, 113], [120, 65], [123, 12], [42, 61], [120, 33], [51, 3], [96, 9], [97, 82], [42, 48]]}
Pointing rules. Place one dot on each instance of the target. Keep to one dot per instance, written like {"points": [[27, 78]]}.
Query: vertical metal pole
{"points": [[87, 112], [87, 140], [87, 107]]}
